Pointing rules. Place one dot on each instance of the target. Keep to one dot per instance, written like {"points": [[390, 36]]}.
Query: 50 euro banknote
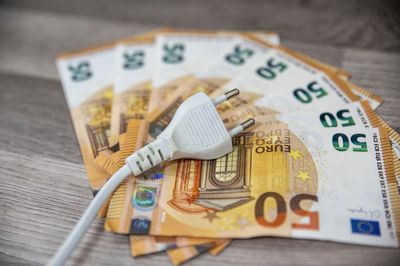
{"points": [[132, 83], [373, 99], [87, 77], [87, 81], [143, 245], [184, 254], [239, 66], [180, 54], [132, 198], [282, 181], [354, 114]]}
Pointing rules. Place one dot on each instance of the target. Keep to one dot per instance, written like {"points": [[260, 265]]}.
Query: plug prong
{"points": [[243, 126], [226, 96]]}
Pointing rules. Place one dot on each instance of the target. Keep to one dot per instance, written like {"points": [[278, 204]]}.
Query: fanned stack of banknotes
{"points": [[318, 164]]}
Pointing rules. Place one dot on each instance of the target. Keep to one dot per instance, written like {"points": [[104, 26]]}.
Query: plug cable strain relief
{"points": [[149, 156]]}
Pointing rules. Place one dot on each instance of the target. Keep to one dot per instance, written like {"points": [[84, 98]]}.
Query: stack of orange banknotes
{"points": [[320, 163]]}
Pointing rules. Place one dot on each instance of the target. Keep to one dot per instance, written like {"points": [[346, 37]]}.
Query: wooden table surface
{"points": [[43, 186]]}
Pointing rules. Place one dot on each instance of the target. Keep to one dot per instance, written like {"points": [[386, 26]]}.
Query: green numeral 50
{"points": [[329, 120], [134, 60], [173, 53], [239, 55], [341, 142], [312, 90], [271, 69]]}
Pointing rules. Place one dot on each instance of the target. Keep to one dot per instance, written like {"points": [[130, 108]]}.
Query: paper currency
{"points": [[254, 82], [348, 115], [87, 78], [178, 55], [132, 86], [279, 73], [356, 114], [235, 59], [143, 245], [320, 163], [118, 218], [129, 200], [276, 176], [184, 254], [134, 64], [221, 246], [373, 99], [225, 66]]}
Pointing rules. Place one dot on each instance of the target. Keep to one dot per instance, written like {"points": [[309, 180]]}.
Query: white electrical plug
{"points": [[196, 131]]}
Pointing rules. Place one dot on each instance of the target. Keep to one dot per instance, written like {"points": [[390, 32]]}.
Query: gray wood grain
{"points": [[30, 40], [348, 23], [380, 73], [43, 186]]}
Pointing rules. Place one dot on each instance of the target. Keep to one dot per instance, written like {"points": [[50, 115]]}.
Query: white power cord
{"points": [[196, 131]]}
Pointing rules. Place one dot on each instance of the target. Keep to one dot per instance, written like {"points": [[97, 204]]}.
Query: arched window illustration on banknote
{"points": [[218, 184], [269, 179], [97, 113]]}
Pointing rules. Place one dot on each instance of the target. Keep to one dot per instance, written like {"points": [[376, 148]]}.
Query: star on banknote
{"points": [[210, 215], [303, 175], [295, 154]]}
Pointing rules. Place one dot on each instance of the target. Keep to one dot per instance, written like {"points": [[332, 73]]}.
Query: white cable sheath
{"points": [[196, 131], [87, 218]]}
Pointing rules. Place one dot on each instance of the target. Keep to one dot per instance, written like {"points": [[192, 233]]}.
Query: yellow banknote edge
{"points": [[374, 100], [394, 137], [179, 256], [144, 245], [391, 177], [219, 247]]}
